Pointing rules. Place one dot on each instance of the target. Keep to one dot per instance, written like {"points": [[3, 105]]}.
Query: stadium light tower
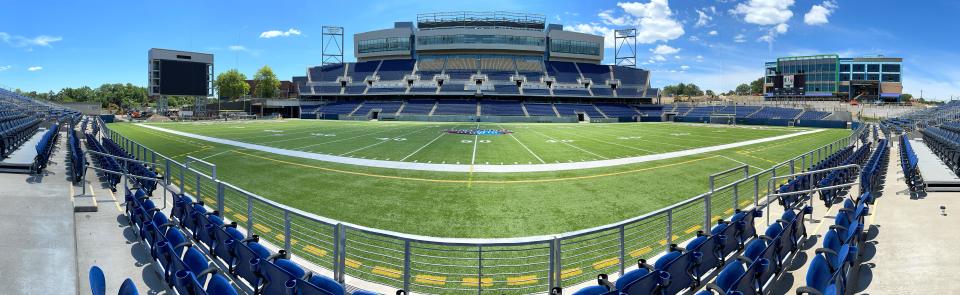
{"points": [[332, 43], [625, 49]]}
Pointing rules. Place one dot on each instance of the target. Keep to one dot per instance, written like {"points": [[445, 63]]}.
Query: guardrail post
{"points": [[669, 228], [182, 179], [249, 216], [756, 190], [406, 265], [220, 192], [343, 251], [166, 172], [479, 269], [286, 231], [792, 168], [736, 201], [198, 184], [556, 264], [623, 253], [707, 210]]}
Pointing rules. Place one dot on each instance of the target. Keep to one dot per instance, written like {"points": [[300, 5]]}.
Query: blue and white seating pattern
{"points": [[908, 162], [15, 132], [45, 147]]}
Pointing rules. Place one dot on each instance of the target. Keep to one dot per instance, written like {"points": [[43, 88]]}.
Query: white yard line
{"points": [[423, 147], [384, 141], [570, 145], [528, 149], [217, 154], [480, 168]]}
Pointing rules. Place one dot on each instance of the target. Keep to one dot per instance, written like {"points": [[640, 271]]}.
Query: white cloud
{"points": [[773, 32], [654, 21], [739, 38], [595, 29], [21, 41], [781, 28], [664, 49], [764, 12], [703, 18], [276, 33], [713, 33], [684, 67], [818, 13], [237, 48], [34, 68], [699, 58], [4, 68], [609, 19]]}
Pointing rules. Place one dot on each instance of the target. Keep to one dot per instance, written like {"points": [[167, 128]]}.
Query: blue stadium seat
{"points": [[98, 284], [128, 288], [821, 280]]}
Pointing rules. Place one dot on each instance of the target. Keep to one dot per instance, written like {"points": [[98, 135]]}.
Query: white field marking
{"points": [[217, 154], [339, 140], [476, 138], [738, 161], [525, 147], [654, 136], [424, 146], [383, 140], [305, 137], [570, 145], [620, 145], [480, 168]]}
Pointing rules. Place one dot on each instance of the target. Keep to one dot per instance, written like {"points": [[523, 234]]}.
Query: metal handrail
{"points": [[550, 245]]}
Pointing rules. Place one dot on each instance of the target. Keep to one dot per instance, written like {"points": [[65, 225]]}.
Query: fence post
{"points": [[198, 184], [792, 168], [249, 216], [736, 201], [756, 190], [406, 265], [557, 263], [707, 210], [669, 228], [166, 172], [182, 179], [286, 231], [343, 251], [220, 192], [622, 251], [480, 269], [337, 263]]}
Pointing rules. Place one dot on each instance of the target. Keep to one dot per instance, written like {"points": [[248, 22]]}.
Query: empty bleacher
{"points": [[395, 69], [776, 113], [540, 109], [813, 115], [501, 108], [359, 71], [418, 107], [599, 74], [456, 107], [388, 107], [565, 72], [572, 110], [616, 110], [338, 108]]}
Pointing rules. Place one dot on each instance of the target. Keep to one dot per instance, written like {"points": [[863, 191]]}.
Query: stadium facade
{"points": [[470, 59], [830, 77]]}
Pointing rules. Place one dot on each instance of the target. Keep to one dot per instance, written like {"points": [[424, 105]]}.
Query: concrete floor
{"points": [[37, 241]]}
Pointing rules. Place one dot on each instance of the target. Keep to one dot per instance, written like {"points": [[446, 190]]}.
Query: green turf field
{"points": [[472, 204]]}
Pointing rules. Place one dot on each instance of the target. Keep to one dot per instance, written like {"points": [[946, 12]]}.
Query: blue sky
{"points": [[47, 45]]}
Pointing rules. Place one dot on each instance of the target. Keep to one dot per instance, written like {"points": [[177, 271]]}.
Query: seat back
{"points": [[219, 285], [680, 267], [327, 284], [128, 288], [249, 257], [98, 284], [278, 272]]}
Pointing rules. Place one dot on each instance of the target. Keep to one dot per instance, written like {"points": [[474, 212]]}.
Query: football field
{"points": [[447, 180]]}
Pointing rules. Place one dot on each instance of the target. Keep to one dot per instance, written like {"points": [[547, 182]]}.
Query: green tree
{"points": [[669, 90], [756, 86], [231, 84], [743, 89], [710, 93], [266, 82], [692, 90], [908, 97]]}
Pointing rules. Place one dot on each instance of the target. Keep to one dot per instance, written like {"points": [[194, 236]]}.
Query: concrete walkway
{"points": [[37, 241], [478, 168]]}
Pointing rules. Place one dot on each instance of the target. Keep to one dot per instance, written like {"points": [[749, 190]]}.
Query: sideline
{"points": [[478, 168]]}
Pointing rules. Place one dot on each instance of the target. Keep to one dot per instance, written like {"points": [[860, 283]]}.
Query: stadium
{"points": [[482, 153]]}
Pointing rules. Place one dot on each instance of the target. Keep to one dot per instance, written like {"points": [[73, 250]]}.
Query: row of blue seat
{"points": [[909, 161], [197, 236], [837, 260], [684, 268], [104, 162], [945, 143], [98, 283], [841, 176], [875, 168], [184, 268], [147, 183], [16, 132], [804, 182], [45, 147], [75, 156]]}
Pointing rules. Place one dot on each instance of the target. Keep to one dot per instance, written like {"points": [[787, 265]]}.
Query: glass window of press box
{"points": [[820, 73], [891, 78], [384, 44], [481, 39], [873, 68], [891, 68], [575, 47], [860, 68]]}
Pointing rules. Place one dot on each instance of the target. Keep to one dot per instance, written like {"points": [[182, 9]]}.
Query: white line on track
{"points": [[480, 168], [348, 138], [738, 161], [217, 154], [476, 138]]}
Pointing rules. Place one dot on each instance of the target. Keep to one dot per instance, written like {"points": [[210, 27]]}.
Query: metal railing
{"points": [[432, 265]]}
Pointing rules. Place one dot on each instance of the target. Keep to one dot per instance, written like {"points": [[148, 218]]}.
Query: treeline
{"points": [[685, 90], [110, 96]]}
